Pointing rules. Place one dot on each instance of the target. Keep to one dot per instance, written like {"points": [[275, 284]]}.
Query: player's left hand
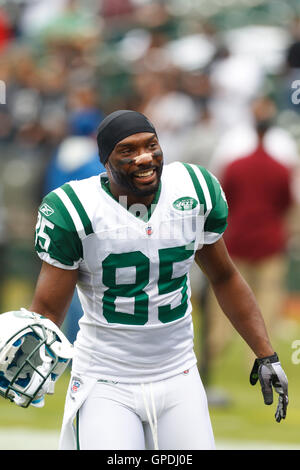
{"points": [[270, 374]]}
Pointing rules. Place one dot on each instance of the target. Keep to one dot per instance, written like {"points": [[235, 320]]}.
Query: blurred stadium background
{"points": [[194, 67]]}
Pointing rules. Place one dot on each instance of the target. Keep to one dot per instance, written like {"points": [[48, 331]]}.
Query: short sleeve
{"points": [[56, 238]]}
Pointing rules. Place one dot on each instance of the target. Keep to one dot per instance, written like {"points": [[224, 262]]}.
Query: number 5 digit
{"points": [[40, 233], [167, 283]]}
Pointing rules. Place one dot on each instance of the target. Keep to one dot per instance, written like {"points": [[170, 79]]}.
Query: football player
{"points": [[127, 239]]}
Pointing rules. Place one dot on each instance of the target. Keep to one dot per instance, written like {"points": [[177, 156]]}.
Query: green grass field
{"points": [[247, 419]]}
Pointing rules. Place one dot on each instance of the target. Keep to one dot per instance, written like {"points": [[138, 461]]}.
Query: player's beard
{"points": [[125, 180]]}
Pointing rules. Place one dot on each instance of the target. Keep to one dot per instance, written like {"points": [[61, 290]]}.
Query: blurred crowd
{"points": [[219, 80]]}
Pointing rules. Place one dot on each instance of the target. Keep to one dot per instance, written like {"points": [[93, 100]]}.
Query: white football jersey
{"points": [[133, 269]]}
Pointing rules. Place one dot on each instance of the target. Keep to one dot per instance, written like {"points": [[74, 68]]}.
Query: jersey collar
{"points": [[106, 187]]}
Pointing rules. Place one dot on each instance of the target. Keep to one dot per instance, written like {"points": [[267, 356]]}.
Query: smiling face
{"points": [[135, 165]]}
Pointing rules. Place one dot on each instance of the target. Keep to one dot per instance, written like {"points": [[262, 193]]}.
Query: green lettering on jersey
{"points": [[136, 290], [167, 283]]}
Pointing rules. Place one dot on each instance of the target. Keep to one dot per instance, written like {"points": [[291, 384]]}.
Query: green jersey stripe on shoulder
{"points": [[199, 170], [56, 234], [72, 212], [208, 178], [217, 220], [79, 208], [53, 200], [197, 185]]}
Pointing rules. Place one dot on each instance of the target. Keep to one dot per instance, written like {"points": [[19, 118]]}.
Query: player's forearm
{"points": [[43, 308], [238, 303]]}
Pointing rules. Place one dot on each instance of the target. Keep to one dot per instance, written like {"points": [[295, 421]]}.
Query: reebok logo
{"points": [[46, 210]]}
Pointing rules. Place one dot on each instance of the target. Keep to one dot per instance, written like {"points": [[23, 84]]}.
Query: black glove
{"points": [[270, 373]]}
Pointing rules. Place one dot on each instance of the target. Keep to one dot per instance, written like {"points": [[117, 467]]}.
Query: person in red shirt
{"points": [[6, 31], [258, 193]]}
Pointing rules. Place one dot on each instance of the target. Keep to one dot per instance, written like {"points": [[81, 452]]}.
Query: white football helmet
{"points": [[33, 355]]}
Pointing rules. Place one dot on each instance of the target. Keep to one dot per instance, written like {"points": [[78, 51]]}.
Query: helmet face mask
{"points": [[33, 355]]}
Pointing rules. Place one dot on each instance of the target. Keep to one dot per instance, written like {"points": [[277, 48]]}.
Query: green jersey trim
{"points": [[88, 229], [106, 187], [209, 183], [210, 193], [197, 186], [56, 233], [59, 210], [217, 220], [151, 208]]}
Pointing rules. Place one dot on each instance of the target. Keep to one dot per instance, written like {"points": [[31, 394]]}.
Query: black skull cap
{"points": [[117, 126]]}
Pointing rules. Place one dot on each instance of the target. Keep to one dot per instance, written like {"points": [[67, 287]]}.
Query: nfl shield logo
{"points": [[149, 230], [76, 383]]}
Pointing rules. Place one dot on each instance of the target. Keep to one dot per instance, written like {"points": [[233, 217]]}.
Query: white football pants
{"points": [[170, 414]]}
